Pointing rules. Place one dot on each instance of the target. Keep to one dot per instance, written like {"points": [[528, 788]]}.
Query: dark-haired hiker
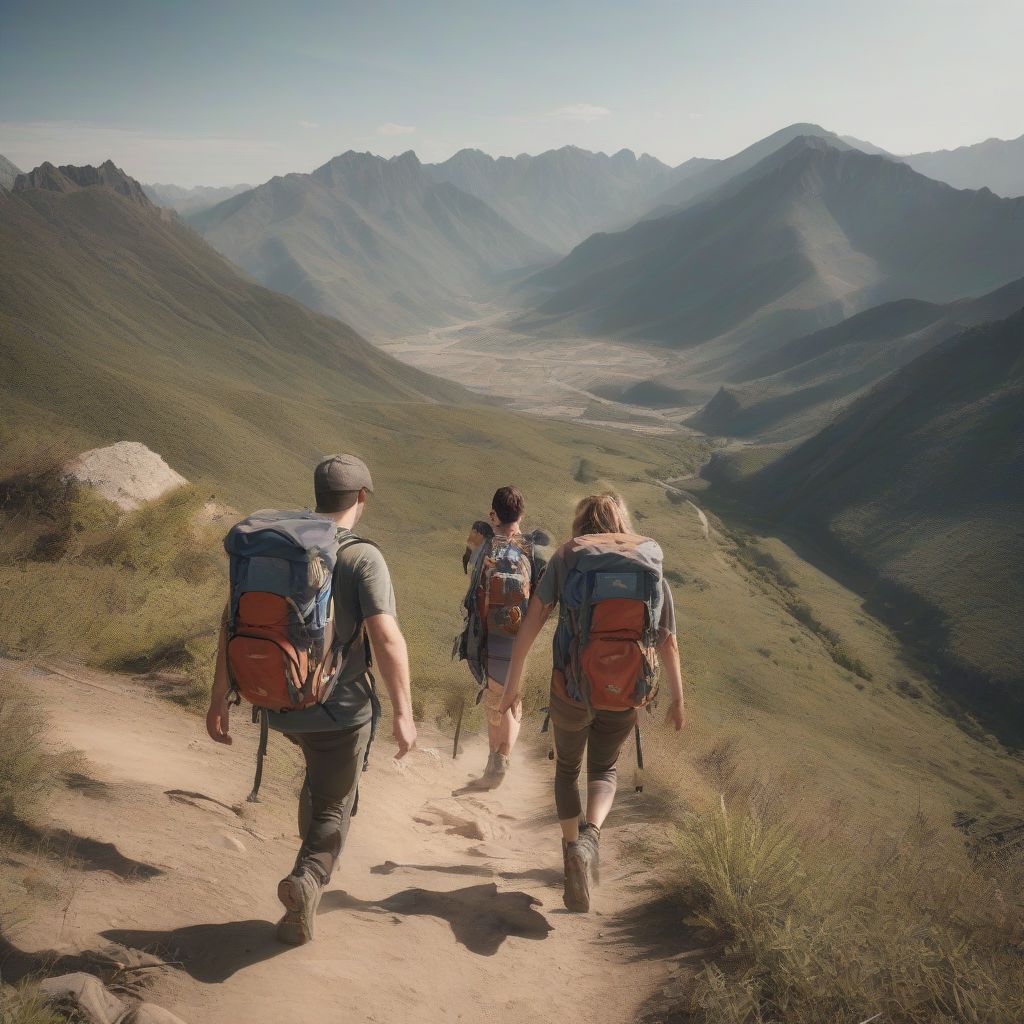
{"points": [[616, 620], [506, 567], [306, 577]]}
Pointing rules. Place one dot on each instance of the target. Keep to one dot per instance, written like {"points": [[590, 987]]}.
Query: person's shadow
{"points": [[210, 953], [480, 916]]}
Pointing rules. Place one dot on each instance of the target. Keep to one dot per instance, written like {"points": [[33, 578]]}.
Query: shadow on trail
{"points": [[87, 853], [389, 867], [480, 917], [210, 953]]}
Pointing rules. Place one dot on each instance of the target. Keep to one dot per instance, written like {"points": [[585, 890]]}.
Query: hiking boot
{"points": [[496, 770], [590, 840], [300, 895], [577, 877]]}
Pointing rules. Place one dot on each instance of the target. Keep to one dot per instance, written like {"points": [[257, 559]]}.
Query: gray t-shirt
{"points": [[362, 588]]}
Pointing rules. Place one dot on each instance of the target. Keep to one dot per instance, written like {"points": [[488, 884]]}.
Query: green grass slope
{"points": [[921, 481], [793, 391]]}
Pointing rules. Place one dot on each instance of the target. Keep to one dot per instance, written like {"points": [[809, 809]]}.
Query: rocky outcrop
{"points": [[69, 178], [126, 473]]}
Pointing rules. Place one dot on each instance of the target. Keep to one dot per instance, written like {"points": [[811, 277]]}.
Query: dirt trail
{"points": [[447, 905]]}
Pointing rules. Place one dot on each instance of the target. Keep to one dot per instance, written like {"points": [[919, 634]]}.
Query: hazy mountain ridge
{"points": [[187, 201], [376, 242], [797, 388], [8, 173], [809, 235], [69, 178], [922, 481], [563, 195], [997, 164]]}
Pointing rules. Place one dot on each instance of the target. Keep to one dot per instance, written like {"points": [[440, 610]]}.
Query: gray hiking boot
{"points": [[581, 868], [497, 768], [300, 895]]}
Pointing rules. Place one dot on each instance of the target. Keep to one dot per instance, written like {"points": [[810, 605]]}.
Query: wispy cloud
{"points": [[308, 124], [579, 112], [390, 128]]}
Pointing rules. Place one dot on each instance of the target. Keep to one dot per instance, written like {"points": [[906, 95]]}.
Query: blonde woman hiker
{"points": [[505, 565], [616, 622]]}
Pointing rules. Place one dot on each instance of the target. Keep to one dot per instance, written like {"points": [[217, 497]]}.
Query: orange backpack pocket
{"points": [[267, 669], [613, 660]]}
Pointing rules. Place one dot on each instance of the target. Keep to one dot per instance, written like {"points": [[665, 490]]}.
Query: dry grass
{"points": [[825, 922], [29, 769], [133, 591], [25, 1005]]}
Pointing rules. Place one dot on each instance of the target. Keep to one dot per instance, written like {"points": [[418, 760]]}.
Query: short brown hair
{"points": [[601, 513], [336, 501], [508, 504]]}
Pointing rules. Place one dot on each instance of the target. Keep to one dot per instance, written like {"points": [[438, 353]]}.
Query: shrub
{"points": [[583, 471], [823, 926], [25, 1005], [29, 770]]}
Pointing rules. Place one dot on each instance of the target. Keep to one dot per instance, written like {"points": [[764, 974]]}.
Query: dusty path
{"points": [[447, 906]]}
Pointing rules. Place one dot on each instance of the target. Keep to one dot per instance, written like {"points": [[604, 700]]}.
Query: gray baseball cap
{"points": [[339, 473]]}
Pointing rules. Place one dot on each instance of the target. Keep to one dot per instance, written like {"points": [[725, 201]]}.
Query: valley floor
{"points": [[543, 376], [447, 904]]}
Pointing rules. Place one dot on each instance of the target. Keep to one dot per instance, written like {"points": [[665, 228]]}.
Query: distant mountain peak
{"points": [[69, 178]]}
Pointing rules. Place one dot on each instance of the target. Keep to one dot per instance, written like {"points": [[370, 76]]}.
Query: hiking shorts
{"points": [[492, 703]]}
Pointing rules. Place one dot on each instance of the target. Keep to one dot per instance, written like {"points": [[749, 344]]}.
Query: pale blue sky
{"points": [[215, 93]]}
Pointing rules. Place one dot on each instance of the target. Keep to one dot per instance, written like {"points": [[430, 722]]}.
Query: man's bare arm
{"points": [[392, 658], [217, 717]]}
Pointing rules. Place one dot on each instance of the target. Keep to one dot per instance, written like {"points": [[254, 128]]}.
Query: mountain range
{"points": [[564, 195], [378, 243], [117, 321], [997, 164], [921, 483], [188, 201], [810, 234]]}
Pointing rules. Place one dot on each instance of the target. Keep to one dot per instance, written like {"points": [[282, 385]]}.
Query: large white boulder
{"points": [[85, 995], [126, 473]]}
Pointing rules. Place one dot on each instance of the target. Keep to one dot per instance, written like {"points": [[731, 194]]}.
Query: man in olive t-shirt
{"points": [[333, 735]]}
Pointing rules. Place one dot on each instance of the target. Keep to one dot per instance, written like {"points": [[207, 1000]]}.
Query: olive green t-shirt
{"points": [[362, 588]]}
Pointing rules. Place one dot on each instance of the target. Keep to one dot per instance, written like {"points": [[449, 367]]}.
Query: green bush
{"points": [[25, 1005]]}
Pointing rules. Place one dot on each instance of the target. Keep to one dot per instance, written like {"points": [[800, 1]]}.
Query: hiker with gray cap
{"points": [[311, 610]]}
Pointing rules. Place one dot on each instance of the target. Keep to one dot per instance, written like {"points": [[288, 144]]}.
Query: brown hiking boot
{"points": [[300, 895], [590, 840]]}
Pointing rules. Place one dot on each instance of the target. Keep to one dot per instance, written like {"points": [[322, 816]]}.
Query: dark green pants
{"points": [[334, 762]]}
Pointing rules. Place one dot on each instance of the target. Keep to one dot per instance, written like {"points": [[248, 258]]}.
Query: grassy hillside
{"points": [[920, 483], [794, 390]]}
